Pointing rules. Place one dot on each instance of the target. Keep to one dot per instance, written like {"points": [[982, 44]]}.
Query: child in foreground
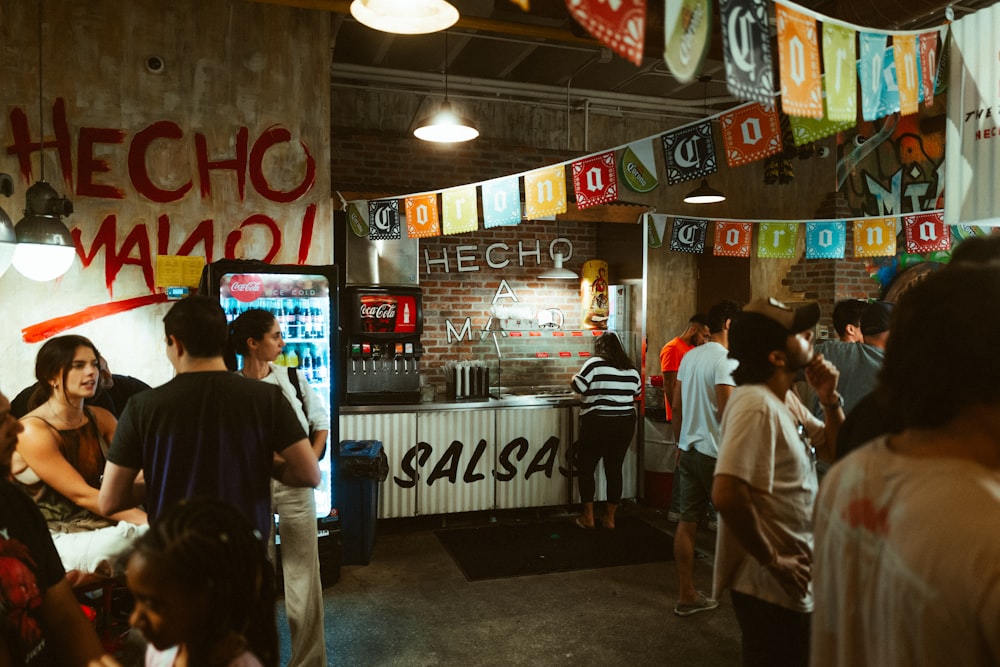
{"points": [[203, 589]]}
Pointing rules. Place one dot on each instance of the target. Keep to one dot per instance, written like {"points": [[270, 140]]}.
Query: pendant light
{"points": [[704, 194], [445, 127], [7, 236], [558, 272], [45, 248], [405, 17]]}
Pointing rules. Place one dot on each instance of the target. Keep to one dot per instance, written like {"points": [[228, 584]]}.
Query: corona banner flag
{"points": [[732, 239]]}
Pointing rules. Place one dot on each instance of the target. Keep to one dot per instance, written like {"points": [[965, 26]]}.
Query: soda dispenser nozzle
{"points": [[366, 353], [355, 355], [398, 354]]}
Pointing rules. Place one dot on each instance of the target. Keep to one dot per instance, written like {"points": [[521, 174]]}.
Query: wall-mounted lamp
{"points": [[445, 126], [703, 194], [558, 272], [405, 17], [7, 236]]}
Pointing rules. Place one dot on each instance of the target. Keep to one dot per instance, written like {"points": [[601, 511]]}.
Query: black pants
{"points": [[603, 437], [773, 636]]}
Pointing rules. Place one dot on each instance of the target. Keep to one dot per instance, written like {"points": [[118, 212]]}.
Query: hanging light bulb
{"points": [[405, 17], [45, 247], [445, 127], [703, 194]]}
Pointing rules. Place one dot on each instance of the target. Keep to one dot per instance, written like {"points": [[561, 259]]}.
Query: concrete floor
{"points": [[413, 606]]}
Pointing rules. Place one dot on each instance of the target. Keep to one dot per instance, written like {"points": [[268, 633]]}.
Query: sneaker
{"points": [[703, 603], [673, 517]]}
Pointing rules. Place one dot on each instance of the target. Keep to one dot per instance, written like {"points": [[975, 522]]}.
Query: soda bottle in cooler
{"points": [[306, 362], [291, 356]]}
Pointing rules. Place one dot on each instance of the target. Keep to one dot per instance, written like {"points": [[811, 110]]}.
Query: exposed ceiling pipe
{"points": [[407, 81]]}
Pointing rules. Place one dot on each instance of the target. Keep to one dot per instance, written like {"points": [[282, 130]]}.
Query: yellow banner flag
{"points": [[798, 55], [875, 237], [460, 214], [841, 75], [545, 192], [422, 216], [904, 51]]}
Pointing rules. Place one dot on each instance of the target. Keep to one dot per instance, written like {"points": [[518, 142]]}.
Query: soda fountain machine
{"points": [[382, 344]]}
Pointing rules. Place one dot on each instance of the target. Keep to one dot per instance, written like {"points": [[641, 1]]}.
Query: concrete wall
{"points": [[223, 152]]}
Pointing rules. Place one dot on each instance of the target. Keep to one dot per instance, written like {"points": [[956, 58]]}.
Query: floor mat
{"points": [[516, 550]]}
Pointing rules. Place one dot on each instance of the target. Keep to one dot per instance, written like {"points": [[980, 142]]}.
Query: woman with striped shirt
{"points": [[608, 385]]}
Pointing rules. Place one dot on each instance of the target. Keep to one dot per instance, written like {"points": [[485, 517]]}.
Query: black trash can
{"points": [[363, 465]]}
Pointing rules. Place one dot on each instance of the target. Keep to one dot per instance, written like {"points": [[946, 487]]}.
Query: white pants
{"points": [[296, 510], [96, 551]]}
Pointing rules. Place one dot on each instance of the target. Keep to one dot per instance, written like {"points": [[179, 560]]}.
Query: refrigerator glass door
{"points": [[301, 304]]}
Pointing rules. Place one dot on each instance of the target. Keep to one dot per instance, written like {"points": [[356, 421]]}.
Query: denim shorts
{"points": [[696, 473]]}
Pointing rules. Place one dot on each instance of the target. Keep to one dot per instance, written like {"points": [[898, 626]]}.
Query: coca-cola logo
{"points": [[246, 287], [381, 311]]}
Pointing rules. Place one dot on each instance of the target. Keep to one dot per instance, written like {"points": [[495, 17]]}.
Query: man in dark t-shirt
{"points": [[206, 432], [41, 623]]}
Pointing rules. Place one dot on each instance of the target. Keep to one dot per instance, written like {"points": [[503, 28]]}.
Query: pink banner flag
{"points": [[595, 180], [619, 24], [928, 65], [926, 232]]}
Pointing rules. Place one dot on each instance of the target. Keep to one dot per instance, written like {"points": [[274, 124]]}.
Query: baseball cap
{"points": [[875, 318], [793, 320]]}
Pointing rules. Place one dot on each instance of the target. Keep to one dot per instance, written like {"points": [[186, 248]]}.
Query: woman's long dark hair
{"points": [[54, 360], [609, 348], [208, 547], [253, 323]]}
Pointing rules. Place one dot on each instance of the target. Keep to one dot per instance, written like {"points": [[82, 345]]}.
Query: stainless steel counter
{"points": [[508, 401]]}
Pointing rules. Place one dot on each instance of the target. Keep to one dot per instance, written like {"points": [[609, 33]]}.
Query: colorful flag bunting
{"points": [[620, 24], [871, 63], [889, 102], [689, 153], [928, 65], [383, 220], [732, 239], [926, 232], [502, 202], [905, 53], [875, 237], [798, 55], [545, 192], [689, 235], [746, 46], [460, 212], [840, 80], [777, 240], [750, 132], [826, 240], [422, 219], [637, 166], [594, 180]]}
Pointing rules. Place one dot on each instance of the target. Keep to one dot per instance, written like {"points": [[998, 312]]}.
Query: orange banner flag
{"points": [[904, 51], [422, 216], [875, 237], [798, 55]]}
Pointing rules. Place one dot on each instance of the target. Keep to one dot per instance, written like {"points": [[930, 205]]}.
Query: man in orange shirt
{"points": [[671, 354]]}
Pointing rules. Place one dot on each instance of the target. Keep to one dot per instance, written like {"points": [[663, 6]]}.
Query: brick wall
{"points": [[471, 296]]}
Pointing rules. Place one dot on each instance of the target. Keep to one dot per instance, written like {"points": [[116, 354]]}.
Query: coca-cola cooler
{"points": [[304, 300], [382, 344]]}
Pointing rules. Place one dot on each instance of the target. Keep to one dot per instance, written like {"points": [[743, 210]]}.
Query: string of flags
{"points": [[924, 232], [893, 79]]}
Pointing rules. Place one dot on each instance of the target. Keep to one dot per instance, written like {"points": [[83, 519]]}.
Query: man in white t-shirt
{"points": [[765, 479], [704, 382], [907, 560]]}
